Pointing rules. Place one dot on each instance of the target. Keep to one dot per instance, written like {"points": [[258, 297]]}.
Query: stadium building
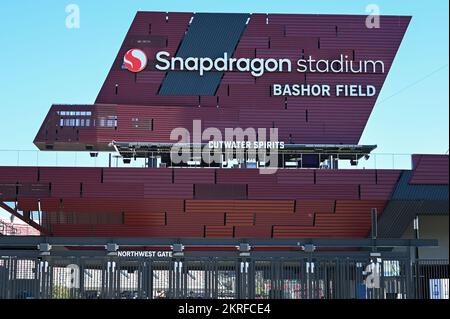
{"points": [[300, 217]]}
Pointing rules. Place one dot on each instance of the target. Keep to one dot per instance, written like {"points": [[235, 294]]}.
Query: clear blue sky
{"points": [[43, 62]]}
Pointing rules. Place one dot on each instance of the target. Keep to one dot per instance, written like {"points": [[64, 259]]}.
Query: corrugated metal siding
{"points": [[396, 218], [349, 218], [27, 204], [337, 191], [243, 176], [240, 219], [127, 231], [63, 174], [376, 191], [430, 169], [182, 218], [253, 231], [324, 177], [9, 174], [286, 206], [182, 191], [284, 219], [137, 175], [295, 176], [122, 190], [217, 191], [406, 191], [240, 206], [121, 204], [209, 35], [50, 204], [189, 176], [314, 232], [219, 231], [145, 219], [66, 189], [422, 191], [388, 177]]}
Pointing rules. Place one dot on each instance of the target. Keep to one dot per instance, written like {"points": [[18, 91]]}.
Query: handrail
{"points": [[11, 157], [7, 229]]}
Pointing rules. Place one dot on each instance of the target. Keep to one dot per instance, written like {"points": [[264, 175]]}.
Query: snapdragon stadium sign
{"points": [[135, 60], [258, 66]]}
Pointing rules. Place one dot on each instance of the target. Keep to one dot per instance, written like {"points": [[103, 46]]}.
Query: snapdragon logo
{"points": [[135, 60]]}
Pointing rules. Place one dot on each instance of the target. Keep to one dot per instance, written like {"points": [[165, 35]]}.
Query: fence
{"points": [[11, 229], [222, 278]]}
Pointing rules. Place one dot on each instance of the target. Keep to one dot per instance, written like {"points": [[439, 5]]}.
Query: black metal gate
{"points": [[306, 277]]}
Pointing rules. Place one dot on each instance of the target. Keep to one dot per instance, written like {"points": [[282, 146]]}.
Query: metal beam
{"points": [[202, 254], [23, 218], [27, 241]]}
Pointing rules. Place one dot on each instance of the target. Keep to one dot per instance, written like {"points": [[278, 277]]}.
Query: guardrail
{"points": [[106, 159]]}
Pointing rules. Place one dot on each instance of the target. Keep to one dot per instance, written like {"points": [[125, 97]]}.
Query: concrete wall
{"points": [[432, 227]]}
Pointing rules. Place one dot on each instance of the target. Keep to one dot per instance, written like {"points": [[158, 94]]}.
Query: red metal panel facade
{"points": [[430, 169], [10, 174], [160, 202], [241, 99]]}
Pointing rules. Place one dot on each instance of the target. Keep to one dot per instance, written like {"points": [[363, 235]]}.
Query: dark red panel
{"points": [[295, 176], [28, 204], [214, 219], [240, 219], [62, 174], [342, 177], [326, 191], [219, 231], [123, 190], [217, 191], [240, 206], [430, 169], [137, 175], [10, 174], [144, 219]]}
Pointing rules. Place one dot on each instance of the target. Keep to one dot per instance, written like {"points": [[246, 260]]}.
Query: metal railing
{"points": [[71, 277], [7, 229], [432, 279], [106, 159], [10, 229]]}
